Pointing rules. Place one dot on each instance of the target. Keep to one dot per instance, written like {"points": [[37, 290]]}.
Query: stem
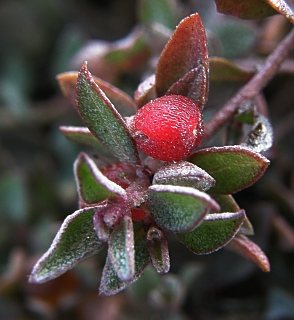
{"points": [[252, 88]]}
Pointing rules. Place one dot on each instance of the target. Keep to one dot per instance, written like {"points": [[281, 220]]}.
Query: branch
{"points": [[252, 88]]}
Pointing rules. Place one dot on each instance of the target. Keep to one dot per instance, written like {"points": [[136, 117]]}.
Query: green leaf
{"points": [[233, 167], [245, 9], [83, 136], [75, 241], [122, 101], [215, 231], [157, 245], [93, 186], [102, 119], [110, 282], [178, 209], [183, 173], [228, 204], [225, 70], [186, 50], [121, 249]]}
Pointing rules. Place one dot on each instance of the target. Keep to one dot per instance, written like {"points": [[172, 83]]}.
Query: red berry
{"points": [[168, 128]]}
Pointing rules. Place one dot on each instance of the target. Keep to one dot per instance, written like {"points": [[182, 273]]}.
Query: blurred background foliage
{"points": [[40, 38]]}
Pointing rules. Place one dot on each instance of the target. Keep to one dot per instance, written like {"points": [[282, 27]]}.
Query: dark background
{"points": [[38, 39]]}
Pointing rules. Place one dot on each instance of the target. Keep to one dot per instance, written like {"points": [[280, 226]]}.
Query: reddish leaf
{"points": [[245, 9], [186, 50], [194, 85], [249, 250], [122, 101]]}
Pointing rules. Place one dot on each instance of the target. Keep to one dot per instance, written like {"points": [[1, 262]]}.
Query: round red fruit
{"points": [[168, 128]]}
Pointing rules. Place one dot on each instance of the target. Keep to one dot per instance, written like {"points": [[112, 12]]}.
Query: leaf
{"points": [[228, 204], [122, 101], [193, 85], [93, 186], [225, 70], [178, 209], [121, 249], [261, 137], [225, 79], [283, 8], [251, 251], [83, 136], [215, 231], [157, 245], [245, 9], [233, 167], [186, 50], [110, 282], [183, 173], [102, 119], [75, 241]]}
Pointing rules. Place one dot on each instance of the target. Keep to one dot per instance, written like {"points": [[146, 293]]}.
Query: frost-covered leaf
{"points": [[249, 250], [245, 9], [83, 136], [228, 204], [75, 241], [233, 167], [110, 282], [194, 85], [157, 245], [93, 186], [261, 137], [183, 173], [215, 231], [123, 103], [121, 249], [102, 119], [186, 50], [178, 209]]}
